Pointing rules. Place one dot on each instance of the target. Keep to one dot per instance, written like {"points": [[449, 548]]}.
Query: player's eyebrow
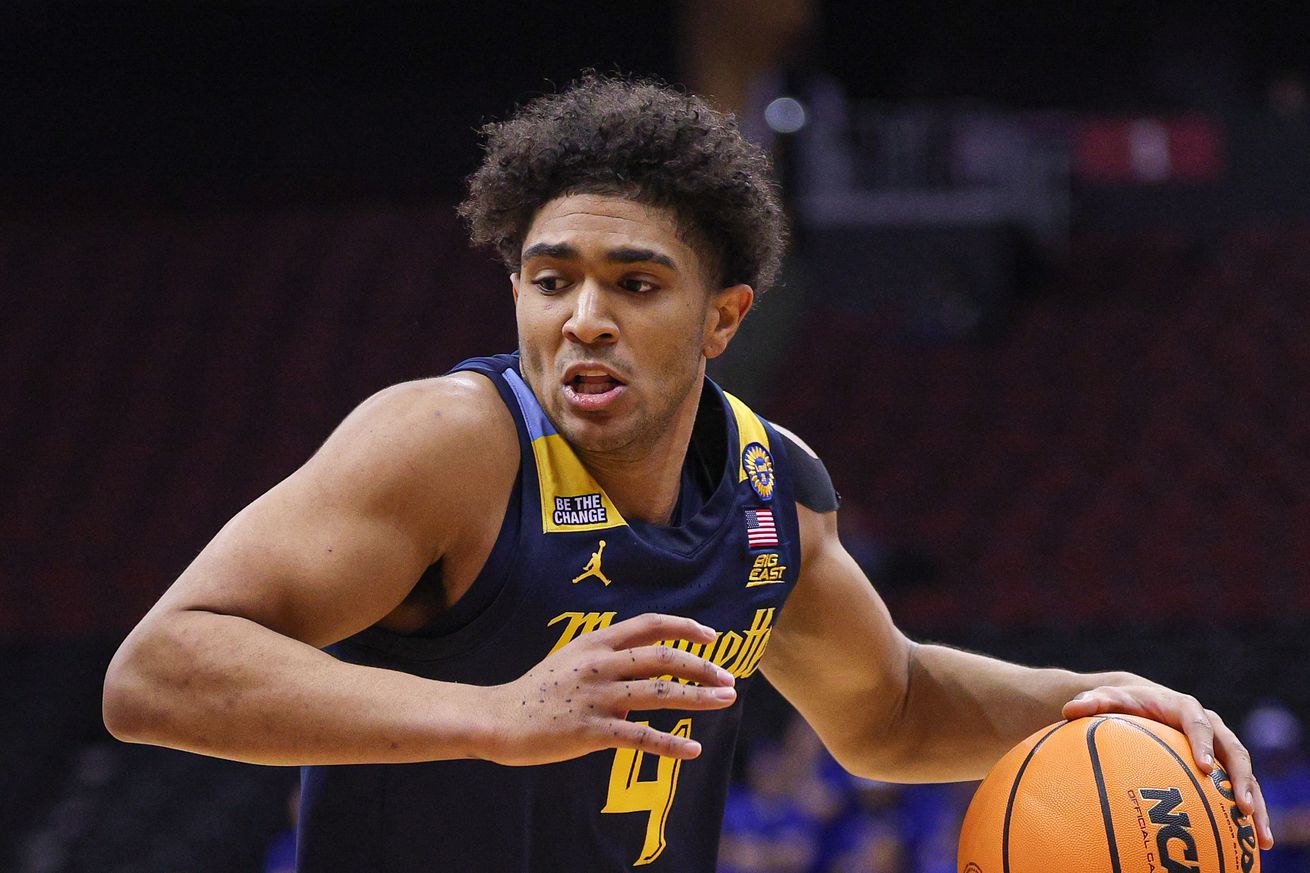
{"points": [[637, 256], [566, 252], [558, 251]]}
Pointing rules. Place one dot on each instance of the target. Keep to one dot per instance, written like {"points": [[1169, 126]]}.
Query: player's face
{"points": [[614, 321]]}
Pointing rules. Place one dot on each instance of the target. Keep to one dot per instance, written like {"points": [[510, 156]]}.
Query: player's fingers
{"points": [[1098, 701], [1241, 776], [1200, 732], [653, 627], [629, 735], [668, 694], [1261, 819], [1210, 739], [645, 662], [1181, 711]]}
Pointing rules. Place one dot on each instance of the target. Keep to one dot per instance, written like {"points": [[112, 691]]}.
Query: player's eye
{"points": [[637, 286], [549, 284]]}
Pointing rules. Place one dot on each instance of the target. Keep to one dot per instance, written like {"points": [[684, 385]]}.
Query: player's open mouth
{"points": [[592, 388]]}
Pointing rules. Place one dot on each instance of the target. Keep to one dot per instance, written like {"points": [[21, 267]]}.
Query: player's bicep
{"points": [[835, 653], [304, 564], [338, 544]]}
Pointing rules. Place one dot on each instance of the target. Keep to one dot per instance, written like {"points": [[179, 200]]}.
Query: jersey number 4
{"points": [[629, 793]]}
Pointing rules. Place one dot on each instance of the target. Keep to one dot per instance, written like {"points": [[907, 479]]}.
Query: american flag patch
{"points": [[760, 529]]}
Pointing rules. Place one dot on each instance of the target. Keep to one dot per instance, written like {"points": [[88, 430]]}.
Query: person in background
{"points": [[1275, 738], [869, 838], [766, 826]]}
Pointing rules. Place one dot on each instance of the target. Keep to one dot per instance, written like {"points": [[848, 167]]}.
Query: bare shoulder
{"points": [[427, 415], [406, 479], [423, 447], [442, 425]]}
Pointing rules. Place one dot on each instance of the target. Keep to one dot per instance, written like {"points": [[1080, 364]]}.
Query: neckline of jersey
{"points": [[696, 532], [726, 483]]}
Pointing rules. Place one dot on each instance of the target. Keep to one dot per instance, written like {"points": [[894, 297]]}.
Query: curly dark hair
{"points": [[640, 139]]}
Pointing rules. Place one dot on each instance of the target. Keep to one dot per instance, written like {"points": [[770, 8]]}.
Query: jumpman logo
{"points": [[593, 567]]}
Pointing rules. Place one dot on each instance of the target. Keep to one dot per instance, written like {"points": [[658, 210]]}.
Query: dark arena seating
{"points": [[161, 371], [1132, 449]]}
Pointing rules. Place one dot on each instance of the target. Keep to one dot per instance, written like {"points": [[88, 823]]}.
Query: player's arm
{"points": [[892, 709], [227, 663], [886, 707]]}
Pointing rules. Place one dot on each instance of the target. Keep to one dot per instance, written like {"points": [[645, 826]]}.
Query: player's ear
{"points": [[724, 314], [514, 285]]}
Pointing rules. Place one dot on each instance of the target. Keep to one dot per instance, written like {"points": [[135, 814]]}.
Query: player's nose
{"points": [[591, 320]]}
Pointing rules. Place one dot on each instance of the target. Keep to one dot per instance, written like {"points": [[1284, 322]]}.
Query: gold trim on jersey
{"points": [[572, 499], [749, 430], [568, 491]]}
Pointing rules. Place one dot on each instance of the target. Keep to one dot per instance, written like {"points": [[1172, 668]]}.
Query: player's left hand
{"points": [[1205, 730]]}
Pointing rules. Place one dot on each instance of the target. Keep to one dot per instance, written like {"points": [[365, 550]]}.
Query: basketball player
{"points": [[500, 560]]}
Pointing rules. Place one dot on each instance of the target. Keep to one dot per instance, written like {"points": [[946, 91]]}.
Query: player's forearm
{"points": [[963, 711], [224, 686]]}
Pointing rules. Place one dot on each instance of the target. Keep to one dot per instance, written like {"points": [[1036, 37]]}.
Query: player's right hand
{"points": [[577, 700]]}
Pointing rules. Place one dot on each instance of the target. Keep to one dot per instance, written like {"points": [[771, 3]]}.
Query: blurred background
{"points": [[1045, 319]]}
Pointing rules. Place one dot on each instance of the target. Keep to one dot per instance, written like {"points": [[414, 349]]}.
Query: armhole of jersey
{"points": [[810, 480], [446, 634]]}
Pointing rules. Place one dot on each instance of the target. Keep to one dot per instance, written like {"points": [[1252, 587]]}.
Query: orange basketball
{"points": [[1109, 794]]}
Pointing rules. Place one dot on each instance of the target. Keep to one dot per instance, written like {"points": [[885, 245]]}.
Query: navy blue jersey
{"points": [[566, 563]]}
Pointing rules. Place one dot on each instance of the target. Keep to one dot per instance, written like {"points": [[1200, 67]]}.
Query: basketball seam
{"points": [[1100, 789], [1214, 826], [1014, 791]]}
